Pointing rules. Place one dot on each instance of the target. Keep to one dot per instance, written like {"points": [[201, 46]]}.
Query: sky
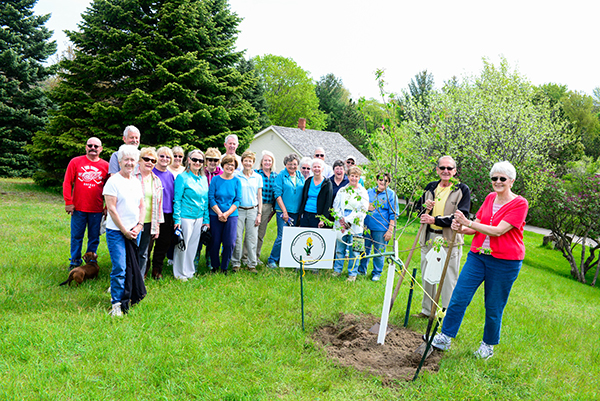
{"points": [[546, 41]]}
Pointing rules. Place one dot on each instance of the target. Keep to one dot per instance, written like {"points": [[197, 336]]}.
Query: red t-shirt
{"points": [[509, 245], [83, 184]]}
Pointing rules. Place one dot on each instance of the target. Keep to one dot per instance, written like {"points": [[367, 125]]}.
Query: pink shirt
{"points": [[509, 245]]}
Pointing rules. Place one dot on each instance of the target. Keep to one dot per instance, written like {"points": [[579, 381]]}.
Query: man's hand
{"points": [[69, 209]]}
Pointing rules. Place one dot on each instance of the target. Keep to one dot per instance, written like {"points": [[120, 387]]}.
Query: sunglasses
{"points": [[178, 156], [350, 162], [92, 146], [445, 168], [212, 160], [319, 155], [196, 160], [502, 179], [164, 157], [305, 168], [148, 159]]}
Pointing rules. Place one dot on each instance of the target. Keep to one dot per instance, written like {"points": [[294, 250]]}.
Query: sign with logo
{"points": [[314, 246]]}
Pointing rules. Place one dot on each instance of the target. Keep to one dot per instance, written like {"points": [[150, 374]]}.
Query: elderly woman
{"points": [[224, 196], [350, 206], [339, 179], [496, 256], [288, 190], [162, 243], [190, 213], [267, 163], [177, 166], [213, 158], [249, 212], [305, 165], [124, 199], [317, 197], [153, 199], [380, 222]]}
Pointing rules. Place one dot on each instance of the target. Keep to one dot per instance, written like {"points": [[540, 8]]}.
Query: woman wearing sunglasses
{"points": [[177, 166], [496, 256], [441, 199], [190, 213], [153, 199]]}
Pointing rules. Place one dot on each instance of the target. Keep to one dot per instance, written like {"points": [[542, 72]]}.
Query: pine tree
{"points": [[168, 67], [24, 47]]}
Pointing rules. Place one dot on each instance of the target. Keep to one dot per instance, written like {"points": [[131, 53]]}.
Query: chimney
{"points": [[302, 123]]}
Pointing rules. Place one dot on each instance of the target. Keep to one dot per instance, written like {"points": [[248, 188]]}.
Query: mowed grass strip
{"points": [[239, 337]]}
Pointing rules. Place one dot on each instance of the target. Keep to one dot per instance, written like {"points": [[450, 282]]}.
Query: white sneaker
{"points": [[441, 342], [485, 351], [170, 262], [116, 310], [351, 279]]}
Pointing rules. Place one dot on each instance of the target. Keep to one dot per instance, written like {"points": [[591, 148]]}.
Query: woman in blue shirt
{"points": [[289, 185], [190, 213], [224, 196], [317, 197]]}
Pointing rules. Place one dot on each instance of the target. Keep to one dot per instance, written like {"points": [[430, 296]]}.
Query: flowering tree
{"points": [[572, 207]]}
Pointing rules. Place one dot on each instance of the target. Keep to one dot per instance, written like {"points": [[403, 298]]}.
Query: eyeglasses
{"points": [[305, 168], [212, 160], [164, 157], [502, 179], [178, 156], [148, 159], [196, 160], [319, 155], [350, 162], [92, 146], [445, 168]]}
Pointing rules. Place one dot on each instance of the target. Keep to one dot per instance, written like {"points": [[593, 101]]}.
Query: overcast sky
{"points": [[547, 41]]}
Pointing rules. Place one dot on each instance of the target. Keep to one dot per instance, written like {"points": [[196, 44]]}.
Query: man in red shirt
{"points": [[82, 190]]}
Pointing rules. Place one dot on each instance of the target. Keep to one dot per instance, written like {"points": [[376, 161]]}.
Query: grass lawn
{"points": [[239, 337]]}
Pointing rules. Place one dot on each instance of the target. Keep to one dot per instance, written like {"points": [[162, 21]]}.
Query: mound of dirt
{"points": [[350, 343]]}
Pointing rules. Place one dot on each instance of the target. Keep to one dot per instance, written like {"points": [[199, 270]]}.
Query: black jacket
{"points": [[324, 199]]}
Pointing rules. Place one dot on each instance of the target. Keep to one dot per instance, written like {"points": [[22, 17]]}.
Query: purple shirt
{"points": [[168, 181]]}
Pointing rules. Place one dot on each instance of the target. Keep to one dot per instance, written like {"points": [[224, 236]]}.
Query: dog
{"points": [[88, 271]]}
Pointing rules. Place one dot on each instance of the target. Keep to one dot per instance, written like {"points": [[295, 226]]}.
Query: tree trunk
{"points": [[597, 271]]}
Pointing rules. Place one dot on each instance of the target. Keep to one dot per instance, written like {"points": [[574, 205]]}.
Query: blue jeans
{"points": [[116, 248], [499, 276], [79, 221], [340, 255], [375, 240], [276, 251]]}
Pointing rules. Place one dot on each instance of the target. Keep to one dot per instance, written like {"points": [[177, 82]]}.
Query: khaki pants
{"points": [[449, 281], [246, 219], [262, 231]]}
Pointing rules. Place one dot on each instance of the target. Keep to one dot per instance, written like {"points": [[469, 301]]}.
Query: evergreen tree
{"points": [[168, 67], [255, 94], [24, 47]]}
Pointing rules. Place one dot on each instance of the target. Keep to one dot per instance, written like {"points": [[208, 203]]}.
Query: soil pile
{"points": [[350, 343]]}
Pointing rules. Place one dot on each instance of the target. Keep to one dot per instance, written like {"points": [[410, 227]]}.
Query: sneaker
{"points": [[351, 279], [182, 279], [441, 342], [485, 351], [116, 310], [253, 270], [272, 265], [170, 262], [375, 278], [336, 274]]}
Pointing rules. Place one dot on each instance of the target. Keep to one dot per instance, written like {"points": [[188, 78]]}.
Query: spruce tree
{"points": [[24, 47], [168, 67]]}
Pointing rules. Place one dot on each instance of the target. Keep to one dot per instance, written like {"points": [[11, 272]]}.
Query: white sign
{"points": [[316, 247]]}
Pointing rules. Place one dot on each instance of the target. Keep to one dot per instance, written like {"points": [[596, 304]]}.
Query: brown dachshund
{"points": [[88, 271]]}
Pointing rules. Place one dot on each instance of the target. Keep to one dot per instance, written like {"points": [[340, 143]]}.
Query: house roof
{"points": [[305, 141]]}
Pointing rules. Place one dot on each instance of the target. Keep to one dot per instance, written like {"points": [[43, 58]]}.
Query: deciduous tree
{"points": [[289, 91]]}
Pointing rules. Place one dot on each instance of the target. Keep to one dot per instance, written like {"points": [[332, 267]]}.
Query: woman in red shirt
{"points": [[496, 256]]}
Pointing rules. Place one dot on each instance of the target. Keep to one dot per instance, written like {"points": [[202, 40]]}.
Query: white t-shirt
{"points": [[128, 193]]}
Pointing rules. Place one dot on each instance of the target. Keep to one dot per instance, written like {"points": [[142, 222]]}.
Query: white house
{"points": [[283, 140]]}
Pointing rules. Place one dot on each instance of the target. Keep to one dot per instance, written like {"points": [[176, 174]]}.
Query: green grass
{"points": [[240, 338]]}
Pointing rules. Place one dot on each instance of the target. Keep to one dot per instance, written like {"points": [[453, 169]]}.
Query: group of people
{"points": [[155, 195]]}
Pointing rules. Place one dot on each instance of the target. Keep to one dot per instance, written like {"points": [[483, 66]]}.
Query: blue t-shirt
{"points": [[224, 193], [313, 193]]}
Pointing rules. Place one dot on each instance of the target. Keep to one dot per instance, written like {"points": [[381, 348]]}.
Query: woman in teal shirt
{"points": [[190, 213]]}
